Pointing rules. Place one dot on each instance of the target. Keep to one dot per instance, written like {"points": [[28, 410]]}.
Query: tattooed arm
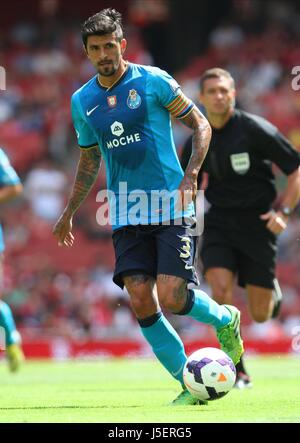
{"points": [[87, 172], [201, 139]]}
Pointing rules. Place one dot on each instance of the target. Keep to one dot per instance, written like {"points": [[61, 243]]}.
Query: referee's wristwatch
{"points": [[286, 211]]}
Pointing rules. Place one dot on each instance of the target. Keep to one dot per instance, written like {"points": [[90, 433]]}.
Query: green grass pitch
{"points": [[137, 391]]}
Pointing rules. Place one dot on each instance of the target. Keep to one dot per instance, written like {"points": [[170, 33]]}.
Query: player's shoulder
{"points": [[256, 122], [85, 89], [150, 71]]}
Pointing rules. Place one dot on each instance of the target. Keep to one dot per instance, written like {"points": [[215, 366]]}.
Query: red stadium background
{"points": [[64, 301]]}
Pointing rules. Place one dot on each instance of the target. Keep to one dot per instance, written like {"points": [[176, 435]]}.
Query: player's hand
{"points": [[276, 221], [63, 230], [188, 191]]}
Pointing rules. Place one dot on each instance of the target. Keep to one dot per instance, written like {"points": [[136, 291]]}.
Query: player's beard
{"points": [[107, 70]]}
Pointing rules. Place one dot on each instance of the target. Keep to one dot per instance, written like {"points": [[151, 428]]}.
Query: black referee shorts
{"points": [[239, 241], [154, 250]]}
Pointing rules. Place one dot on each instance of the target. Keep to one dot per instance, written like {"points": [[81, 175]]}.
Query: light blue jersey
{"points": [[131, 124], [8, 177]]}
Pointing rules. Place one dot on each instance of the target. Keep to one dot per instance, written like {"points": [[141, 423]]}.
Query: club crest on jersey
{"points": [[240, 162], [134, 99], [112, 101]]}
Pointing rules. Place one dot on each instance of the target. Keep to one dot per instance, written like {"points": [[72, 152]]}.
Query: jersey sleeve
{"points": [[276, 147], [171, 96], [8, 176], [85, 135]]}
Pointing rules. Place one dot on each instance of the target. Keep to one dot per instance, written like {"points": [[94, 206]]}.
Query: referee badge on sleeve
{"points": [[240, 162]]}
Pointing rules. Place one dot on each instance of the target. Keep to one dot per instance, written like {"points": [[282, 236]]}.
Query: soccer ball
{"points": [[209, 374]]}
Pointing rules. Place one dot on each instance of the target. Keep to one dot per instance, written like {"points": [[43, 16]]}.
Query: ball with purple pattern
{"points": [[209, 374]]}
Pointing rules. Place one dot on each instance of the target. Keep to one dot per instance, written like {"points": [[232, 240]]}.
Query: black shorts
{"points": [[154, 250], [239, 241]]}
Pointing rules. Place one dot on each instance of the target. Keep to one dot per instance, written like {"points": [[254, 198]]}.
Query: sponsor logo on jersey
{"points": [[240, 162], [112, 101], [90, 111], [117, 129], [134, 99]]}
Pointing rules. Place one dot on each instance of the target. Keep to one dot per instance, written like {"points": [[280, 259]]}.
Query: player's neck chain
{"points": [[116, 81]]}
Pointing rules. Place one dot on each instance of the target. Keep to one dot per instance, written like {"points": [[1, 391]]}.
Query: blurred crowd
{"points": [[58, 292]]}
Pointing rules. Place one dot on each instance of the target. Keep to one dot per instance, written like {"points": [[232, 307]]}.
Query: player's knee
{"points": [[173, 297]]}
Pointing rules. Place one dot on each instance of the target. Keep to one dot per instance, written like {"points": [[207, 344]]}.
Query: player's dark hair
{"points": [[215, 73], [105, 22]]}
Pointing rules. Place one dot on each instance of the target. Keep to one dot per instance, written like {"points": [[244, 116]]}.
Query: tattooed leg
{"points": [[172, 292], [143, 298]]}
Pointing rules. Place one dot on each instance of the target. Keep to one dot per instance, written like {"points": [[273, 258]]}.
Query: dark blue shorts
{"points": [[154, 250]]}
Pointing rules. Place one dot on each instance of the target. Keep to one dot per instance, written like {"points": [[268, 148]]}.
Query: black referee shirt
{"points": [[239, 162]]}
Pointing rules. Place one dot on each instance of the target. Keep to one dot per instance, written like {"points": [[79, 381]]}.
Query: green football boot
{"points": [[229, 336], [15, 357], [187, 399]]}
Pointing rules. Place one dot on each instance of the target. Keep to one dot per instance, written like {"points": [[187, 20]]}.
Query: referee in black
{"points": [[241, 225]]}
